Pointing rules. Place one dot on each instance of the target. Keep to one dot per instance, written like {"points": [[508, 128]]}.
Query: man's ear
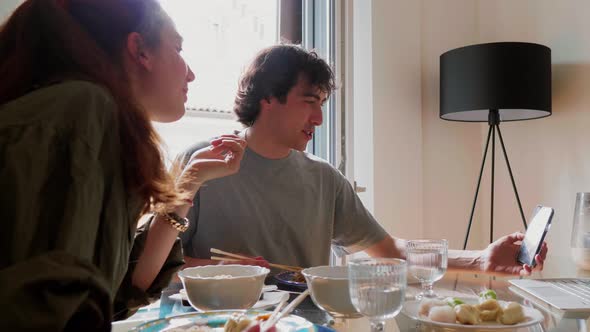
{"points": [[138, 51], [266, 103]]}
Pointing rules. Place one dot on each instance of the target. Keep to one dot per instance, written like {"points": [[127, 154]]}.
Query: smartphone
{"points": [[535, 235]]}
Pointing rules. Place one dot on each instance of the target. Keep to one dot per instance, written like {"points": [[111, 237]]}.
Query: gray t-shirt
{"points": [[290, 211]]}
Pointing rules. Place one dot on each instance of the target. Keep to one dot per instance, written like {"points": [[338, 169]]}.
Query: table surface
{"points": [[456, 284], [469, 284]]}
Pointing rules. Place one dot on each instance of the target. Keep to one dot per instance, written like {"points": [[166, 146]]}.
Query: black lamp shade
{"points": [[511, 77]]}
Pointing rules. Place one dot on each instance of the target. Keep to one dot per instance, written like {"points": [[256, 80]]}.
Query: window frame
{"points": [[319, 33]]}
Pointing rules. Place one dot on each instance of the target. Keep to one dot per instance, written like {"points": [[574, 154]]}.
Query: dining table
{"points": [[468, 284], [458, 284]]}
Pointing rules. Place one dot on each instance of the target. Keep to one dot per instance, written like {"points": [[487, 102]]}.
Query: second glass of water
{"points": [[427, 262], [377, 288]]}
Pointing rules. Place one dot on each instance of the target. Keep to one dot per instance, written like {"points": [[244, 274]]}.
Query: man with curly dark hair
{"points": [[286, 204], [290, 206]]}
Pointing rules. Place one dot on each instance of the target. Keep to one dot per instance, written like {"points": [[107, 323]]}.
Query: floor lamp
{"points": [[494, 83]]}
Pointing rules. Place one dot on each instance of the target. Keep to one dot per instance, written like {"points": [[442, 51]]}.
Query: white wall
{"points": [[550, 157], [7, 7], [396, 116], [452, 150], [426, 168], [362, 91], [419, 189]]}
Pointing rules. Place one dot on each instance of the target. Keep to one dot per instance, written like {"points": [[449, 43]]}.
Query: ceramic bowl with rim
{"points": [[221, 287], [328, 286]]}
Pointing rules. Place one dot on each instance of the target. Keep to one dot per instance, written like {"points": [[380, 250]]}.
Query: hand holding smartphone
{"points": [[535, 235]]}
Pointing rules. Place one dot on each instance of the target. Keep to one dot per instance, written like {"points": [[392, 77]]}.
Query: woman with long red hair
{"points": [[81, 81]]}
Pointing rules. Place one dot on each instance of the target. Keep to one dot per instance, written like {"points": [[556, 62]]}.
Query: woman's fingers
{"points": [[233, 138], [219, 149]]}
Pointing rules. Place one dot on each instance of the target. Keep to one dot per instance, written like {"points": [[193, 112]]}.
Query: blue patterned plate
{"points": [[286, 279], [217, 319]]}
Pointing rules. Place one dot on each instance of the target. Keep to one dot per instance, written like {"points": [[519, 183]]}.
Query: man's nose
{"points": [[317, 116]]}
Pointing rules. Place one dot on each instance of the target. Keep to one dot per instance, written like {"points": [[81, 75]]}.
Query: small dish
{"points": [[268, 299], [215, 320], [286, 279], [223, 287], [329, 290], [532, 317]]}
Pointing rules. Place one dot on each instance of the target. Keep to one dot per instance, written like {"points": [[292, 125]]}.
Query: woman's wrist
{"points": [[190, 189], [182, 210], [177, 222]]}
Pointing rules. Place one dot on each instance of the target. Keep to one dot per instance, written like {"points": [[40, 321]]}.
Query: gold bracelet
{"points": [[179, 223]]}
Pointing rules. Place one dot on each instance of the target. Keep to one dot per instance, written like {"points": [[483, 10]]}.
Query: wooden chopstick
{"points": [[221, 252], [278, 266], [217, 258], [286, 267], [236, 257]]}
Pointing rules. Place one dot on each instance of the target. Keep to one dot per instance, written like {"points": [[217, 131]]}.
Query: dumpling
{"points": [[237, 323], [512, 314], [427, 304], [243, 324], [489, 310], [467, 314], [489, 305], [443, 314], [230, 325]]}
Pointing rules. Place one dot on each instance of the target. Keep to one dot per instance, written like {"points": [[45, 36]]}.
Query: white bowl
{"points": [[329, 290], [216, 287]]}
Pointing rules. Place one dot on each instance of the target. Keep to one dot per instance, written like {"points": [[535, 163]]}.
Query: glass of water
{"points": [[377, 288], [427, 262], [580, 242]]}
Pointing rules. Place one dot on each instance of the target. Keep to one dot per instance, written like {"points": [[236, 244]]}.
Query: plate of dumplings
{"points": [[468, 314]]}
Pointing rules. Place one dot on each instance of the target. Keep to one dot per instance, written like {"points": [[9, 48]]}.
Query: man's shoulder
{"points": [[196, 146], [312, 161], [311, 158], [199, 145]]}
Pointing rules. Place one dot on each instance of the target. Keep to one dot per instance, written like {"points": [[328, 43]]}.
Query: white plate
{"points": [[268, 298], [532, 317], [216, 319]]}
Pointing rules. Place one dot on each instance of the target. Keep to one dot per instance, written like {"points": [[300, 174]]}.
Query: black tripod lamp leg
{"points": [[511, 177], [492, 184], [483, 162]]}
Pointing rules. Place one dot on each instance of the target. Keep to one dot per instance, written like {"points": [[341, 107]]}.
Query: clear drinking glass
{"points": [[377, 288], [427, 262], [581, 231]]}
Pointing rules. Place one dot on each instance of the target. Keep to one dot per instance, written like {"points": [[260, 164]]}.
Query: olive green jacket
{"points": [[68, 238]]}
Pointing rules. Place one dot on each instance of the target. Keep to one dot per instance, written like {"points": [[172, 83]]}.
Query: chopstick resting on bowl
{"points": [[230, 257]]}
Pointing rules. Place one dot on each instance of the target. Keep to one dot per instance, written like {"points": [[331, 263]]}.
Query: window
{"points": [[319, 34], [220, 38]]}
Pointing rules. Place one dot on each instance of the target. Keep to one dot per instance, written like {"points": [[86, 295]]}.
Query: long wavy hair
{"points": [[45, 41]]}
